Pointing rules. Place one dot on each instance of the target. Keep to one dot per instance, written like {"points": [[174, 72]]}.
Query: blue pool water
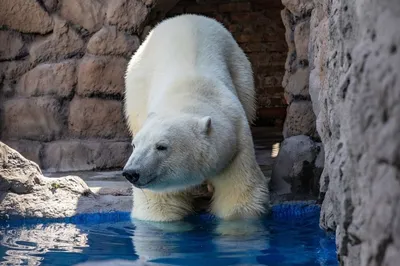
{"points": [[290, 236]]}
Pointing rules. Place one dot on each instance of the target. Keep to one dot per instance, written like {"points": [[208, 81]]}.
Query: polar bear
{"points": [[189, 102]]}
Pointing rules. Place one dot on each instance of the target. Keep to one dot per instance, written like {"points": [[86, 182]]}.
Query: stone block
{"points": [[78, 155], [299, 7], [50, 5], [25, 16], [302, 39], [56, 79], [38, 118], [11, 46], [101, 76], [110, 41], [129, 15], [90, 117], [89, 14], [300, 120], [13, 69], [31, 150], [63, 43], [297, 85]]}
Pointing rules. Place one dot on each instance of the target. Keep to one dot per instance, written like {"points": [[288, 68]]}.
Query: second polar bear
{"points": [[189, 103]]}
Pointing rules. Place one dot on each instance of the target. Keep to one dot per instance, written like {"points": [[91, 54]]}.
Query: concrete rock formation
{"points": [[298, 166], [354, 88], [24, 191]]}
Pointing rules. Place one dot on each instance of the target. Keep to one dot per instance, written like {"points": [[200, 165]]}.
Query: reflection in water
{"points": [[198, 241], [189, 243], [23, 245]]}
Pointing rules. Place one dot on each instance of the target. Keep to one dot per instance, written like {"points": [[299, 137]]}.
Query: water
{"points": [[290, 236]]}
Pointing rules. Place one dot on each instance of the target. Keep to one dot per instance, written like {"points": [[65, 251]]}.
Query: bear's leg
{"points": [[160, 207], [241, 190]]}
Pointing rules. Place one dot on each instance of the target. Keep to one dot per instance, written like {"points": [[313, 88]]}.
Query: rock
{"points": [[297, 85], [85, 155], [299, 7], [354, 63], [301, 40], [300, 120], [319, 31], [50, 5], [31, 150], [129, 15], [25, 16], [56, 79], [38, 118], [101, 76], [17, 174], [88, 14], [25, 192], [97, 118], [63, 43], [12, 45], [299, 164], [15, 68], [110, 41]]}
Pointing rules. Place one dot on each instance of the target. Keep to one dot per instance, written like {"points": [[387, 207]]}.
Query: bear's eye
{"points": [[161, 147]]}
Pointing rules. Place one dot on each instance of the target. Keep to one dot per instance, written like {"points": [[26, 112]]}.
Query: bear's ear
{"points": [[205, 125]]}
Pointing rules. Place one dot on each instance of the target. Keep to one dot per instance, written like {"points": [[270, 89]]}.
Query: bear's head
{"points": [[170, 154]]}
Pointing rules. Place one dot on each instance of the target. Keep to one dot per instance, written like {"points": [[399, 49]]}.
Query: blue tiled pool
{"points": [[290, 236]]}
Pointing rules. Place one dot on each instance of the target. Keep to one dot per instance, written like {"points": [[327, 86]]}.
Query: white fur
{"points": [[190, 87]]}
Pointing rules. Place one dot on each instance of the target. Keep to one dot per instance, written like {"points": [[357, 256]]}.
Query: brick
{"points": [[235, 7], [92, 118], [272, 81], [81, 155], [56, 79], [201, 9], [101, 75], [39, 118]]}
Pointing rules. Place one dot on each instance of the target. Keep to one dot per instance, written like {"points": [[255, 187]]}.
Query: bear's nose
{"points": [[131, 175]]}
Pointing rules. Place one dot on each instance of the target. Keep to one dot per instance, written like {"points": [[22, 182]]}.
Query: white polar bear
{"points": [[189, 102]]}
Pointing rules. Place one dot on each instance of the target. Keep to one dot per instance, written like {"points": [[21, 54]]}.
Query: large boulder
{"points": [[25, 192], [298, 166]]}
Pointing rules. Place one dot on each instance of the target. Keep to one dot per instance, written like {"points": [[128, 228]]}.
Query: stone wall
{"points": [[300, 119], [62, 65], [354, 86]]}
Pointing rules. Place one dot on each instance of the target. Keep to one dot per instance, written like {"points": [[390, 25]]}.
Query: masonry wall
{"points": [[62, 65]]}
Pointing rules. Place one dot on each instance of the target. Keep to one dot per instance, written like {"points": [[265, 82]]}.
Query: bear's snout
{"points": [[131, 175]]}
